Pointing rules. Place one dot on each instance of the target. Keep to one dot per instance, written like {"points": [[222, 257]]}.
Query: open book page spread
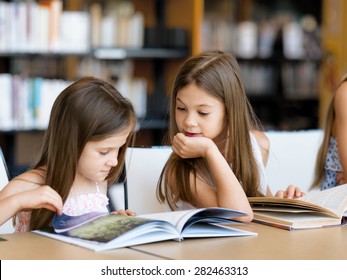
{"points": [[185, 218], [103, 231], [334, 199], [316, 209], [331, 202], [107, 227]]}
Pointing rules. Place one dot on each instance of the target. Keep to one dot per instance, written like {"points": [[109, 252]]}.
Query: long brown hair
{"points": [[88, 110], [323, 149], [219, 74]]}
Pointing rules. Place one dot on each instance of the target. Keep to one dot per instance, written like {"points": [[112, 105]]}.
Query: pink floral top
{"points": [[85, 203], [74, 206], [23, 220]]}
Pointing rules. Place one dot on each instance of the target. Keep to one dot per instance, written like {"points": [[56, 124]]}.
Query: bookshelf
{"points": [[280, 74], [156, 61], [276, 109], [145, 65]]}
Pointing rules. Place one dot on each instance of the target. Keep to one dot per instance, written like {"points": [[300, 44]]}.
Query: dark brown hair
{"points": [[90, 109], [323, 150], [217, 73]]}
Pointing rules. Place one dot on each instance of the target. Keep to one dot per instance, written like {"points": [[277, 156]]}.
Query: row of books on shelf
{"points": [[44, 26], [258, 78], [299, 80], [116, 24], [249, 39], [121, 74], [26, 103]]}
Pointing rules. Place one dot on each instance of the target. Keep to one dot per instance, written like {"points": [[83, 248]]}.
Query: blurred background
{"points": [[291, 54]]}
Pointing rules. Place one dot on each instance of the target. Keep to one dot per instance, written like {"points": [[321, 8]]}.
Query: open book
{"points": [[103, 231], [316, 209]]}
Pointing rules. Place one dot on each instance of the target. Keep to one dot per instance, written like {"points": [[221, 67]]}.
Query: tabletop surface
{"points": [[269, 244]]}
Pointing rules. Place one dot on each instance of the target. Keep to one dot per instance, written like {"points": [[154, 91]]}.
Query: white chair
{"points": [[291, 161], [4, 175], [4, 178], [143, 167], [292, 158], [117, 196]]}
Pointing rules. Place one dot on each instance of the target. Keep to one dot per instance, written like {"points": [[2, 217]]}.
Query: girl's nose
{"points": [[190, 120], [113, 161]]}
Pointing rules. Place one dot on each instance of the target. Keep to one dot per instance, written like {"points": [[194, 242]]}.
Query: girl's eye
{"points": [[104, 153], [203, 113], [180, 108]]}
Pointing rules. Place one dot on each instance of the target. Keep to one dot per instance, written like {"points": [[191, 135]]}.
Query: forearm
{"points": [[229, 192], [9, 206], [343, 156]]}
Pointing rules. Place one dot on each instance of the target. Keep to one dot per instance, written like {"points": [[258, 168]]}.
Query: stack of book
{"points": [[315, 210]]}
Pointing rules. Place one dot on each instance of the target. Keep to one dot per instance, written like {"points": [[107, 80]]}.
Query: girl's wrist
{"points": [[211, 149], [15, 203]]}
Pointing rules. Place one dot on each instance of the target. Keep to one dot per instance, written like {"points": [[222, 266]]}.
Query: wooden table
{"points": [[270, 244], [21, 246]]}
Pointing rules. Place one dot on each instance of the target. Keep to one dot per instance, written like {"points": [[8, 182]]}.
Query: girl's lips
{"points": [[191, 134]]}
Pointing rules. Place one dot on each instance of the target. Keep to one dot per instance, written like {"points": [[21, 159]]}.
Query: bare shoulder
{"points": [[34, 176], [341, 96], [27, 181], [264, 144], [262, 140], [30, 179], [340, 101]]}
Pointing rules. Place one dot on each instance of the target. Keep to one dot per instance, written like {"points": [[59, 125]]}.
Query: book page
{"points": [[214, 230], [295, 220], [334, 199], [106, 228], [102, 231], [184, 218], [176, 218], [62, 223], [121, 228]]}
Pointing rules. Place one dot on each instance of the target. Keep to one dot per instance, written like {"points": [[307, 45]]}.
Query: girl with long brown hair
{"points": [[331, 165], [219, 152], [83, 151]]}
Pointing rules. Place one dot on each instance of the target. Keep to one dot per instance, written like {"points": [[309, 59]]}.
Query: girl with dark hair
{"points": [[219, 151], [331, 165], [83, 152]]}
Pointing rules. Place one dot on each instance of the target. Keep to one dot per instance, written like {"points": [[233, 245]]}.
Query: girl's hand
{"points": [[126, 212], [291, 192], [40, 197], [340, 178], [191, 147]]}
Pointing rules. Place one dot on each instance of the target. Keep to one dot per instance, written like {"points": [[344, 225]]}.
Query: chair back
{"points": [[4, 174], [4, 179], [292, 158], [142, 170]]}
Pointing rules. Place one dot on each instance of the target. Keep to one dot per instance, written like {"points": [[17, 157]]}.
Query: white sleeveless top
{"points": [[261, 167], [182, 205]]}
